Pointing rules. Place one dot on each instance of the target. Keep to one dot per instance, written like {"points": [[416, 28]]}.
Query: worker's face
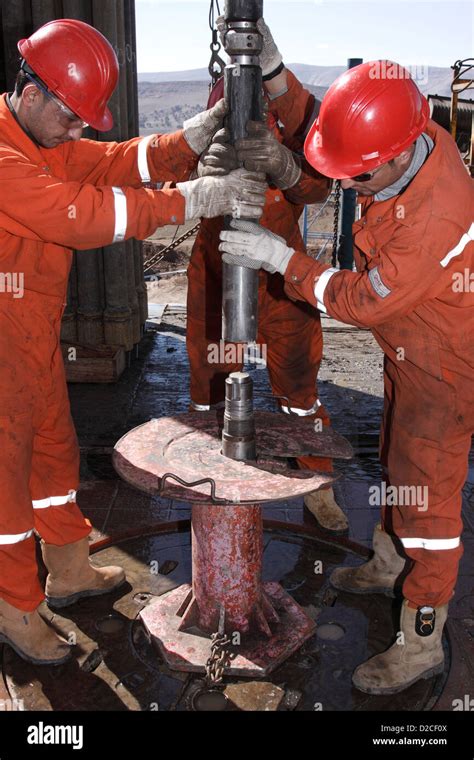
{"points": [[45, 120], [383, 176]]}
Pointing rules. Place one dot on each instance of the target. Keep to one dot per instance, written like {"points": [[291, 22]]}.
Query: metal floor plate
{"points": [[116, 668]]}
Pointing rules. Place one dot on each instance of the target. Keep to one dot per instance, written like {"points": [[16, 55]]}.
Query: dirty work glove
{"points": [[219, 158], [199, 131], [255, 243], [240, 193], [270, 57], [261, 152]]}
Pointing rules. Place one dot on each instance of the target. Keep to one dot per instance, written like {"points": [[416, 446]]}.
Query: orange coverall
{"points": [[80, 195], [414, 288], [290, 332]]}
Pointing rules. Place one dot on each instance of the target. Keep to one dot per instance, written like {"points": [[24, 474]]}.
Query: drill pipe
{"points": [[243, 92]]}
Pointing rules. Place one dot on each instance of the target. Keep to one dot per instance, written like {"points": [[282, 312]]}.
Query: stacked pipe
{"points": [[107, 301]]}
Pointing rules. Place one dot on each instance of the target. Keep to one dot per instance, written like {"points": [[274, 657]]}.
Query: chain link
{"points": [[156, 257], [216, 64], [219, 659], [337, 206]]}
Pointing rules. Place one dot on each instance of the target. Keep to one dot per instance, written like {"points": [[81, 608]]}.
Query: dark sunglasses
{"points": [[366, 176]]}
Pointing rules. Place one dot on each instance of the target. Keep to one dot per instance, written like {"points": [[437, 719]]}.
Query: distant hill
{"points": [[168, 98]]}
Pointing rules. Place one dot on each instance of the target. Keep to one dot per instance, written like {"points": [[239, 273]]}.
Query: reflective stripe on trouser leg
{"points": [[19, 584], [319, 464], [294, 342], [194, 407], [426, 449], [55, 470]]}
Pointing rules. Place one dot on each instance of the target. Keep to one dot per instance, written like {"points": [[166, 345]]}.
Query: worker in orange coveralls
{"points": [[414, 250], [59, 192], [289, 333]]}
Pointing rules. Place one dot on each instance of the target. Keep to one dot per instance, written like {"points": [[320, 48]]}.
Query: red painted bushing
{"points": [[227, 550]]}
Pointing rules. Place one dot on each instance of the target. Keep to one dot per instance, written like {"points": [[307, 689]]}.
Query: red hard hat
{"points": [[77, 64], [369, 115]]}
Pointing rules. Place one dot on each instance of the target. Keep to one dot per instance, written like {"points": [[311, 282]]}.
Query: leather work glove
{"points": [[261, 152], [270, 57], [219, 158], [199, 131], [248, 244], [240, 193]]}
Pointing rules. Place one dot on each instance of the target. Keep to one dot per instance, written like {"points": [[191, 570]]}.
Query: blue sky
{"points": [[173, 36]]}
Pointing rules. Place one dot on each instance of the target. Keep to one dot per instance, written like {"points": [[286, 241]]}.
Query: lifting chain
{"points": [[220, 654], [337, 206], [219, 659], [149, 263], [216, 64]]}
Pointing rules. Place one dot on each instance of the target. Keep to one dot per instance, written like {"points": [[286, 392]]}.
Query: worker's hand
{"points": [[219, 158], [240, 194], [247, 241], [261, 152], [270, 57], [199, 131]]}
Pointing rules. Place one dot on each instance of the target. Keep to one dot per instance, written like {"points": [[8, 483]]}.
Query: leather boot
{"points": [[72, 576], [417, 654], [327, 512], [31, 637], [378, 575]]}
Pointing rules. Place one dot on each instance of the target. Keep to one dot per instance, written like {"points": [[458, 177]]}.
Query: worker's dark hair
{"points": [[20, 82]]}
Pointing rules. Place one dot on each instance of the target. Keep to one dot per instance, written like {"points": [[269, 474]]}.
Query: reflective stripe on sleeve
{"points": [[321, 285], [302, 412], [142, 159], [54, 501], [431, 544], [120, 202], [15, 538], [468, 237]]}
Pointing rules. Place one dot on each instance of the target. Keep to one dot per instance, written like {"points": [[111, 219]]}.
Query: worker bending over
{"points": [[59, 192], [414, 241]]}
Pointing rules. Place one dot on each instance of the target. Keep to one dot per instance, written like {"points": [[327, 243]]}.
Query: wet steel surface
{"points": [[112, 673], [189, 446], [116, 667]]}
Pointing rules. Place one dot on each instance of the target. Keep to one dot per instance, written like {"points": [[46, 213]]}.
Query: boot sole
{"points": [[34, 660], [58, 602], [436, 670], [374, 590]]}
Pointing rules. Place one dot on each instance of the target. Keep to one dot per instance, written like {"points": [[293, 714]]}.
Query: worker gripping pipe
{"points": [[243, 92]]}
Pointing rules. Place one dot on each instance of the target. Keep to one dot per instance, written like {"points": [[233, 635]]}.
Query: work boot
{"points": [[72, 576], [328, 514], [31, 637], [378, 575], [418, 653]]}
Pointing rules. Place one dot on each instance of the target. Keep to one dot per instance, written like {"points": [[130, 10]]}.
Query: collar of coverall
{"points": [[416, 190], [423, 147], [15, 116]]}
